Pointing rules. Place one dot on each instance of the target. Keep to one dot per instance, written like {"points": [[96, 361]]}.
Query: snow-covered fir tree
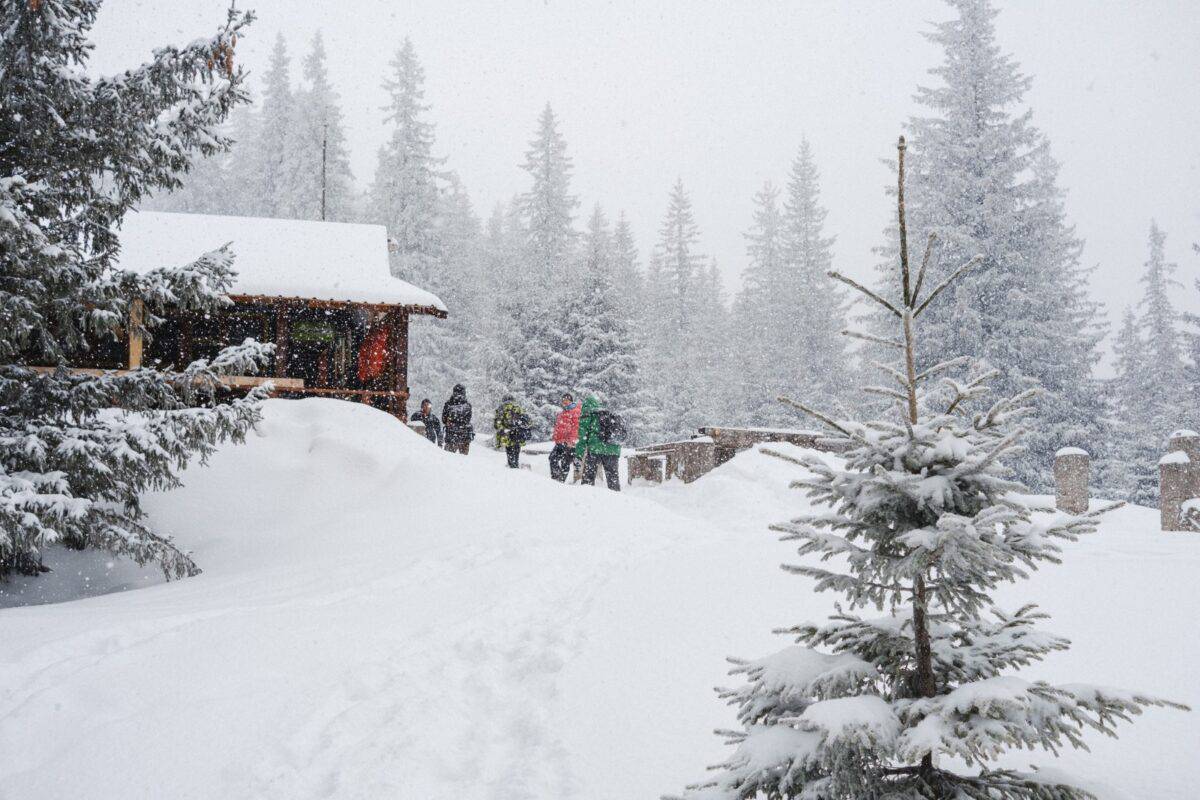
{"points": [[77, 450], [626, 270], [217, 184], [1191, 339], [547, 359], [714, 381], [918, 701], [1163, 370], [454, 354], [404, 195], [785, 288], [819, 307], [406, 198], [318, 183], [674, 305], [648, 423], [983, 182], [269, 156], [1131, 471], [602, 334], [497, 355], [1149, 397], [761, 375]]}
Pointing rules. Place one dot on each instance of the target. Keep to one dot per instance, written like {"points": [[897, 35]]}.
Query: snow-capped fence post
{"points": [[1178, 478], [1072, 472]]}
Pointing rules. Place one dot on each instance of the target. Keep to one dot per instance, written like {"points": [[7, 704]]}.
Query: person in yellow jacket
{"points": [[512, 429]]}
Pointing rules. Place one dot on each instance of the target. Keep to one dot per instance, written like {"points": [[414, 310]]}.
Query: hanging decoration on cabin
{"points": [[372, 355]]}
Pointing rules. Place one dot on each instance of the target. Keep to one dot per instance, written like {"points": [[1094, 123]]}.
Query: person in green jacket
{"points": [[593, 450], [509, 432]]}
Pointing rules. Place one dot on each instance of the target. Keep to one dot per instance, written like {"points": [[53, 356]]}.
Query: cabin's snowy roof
{"points": [[276, 257]]}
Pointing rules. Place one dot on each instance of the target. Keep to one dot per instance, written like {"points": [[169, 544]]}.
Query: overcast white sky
{"points": [[720, 94]]}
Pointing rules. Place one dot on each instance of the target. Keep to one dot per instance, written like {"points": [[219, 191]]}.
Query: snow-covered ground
{"points": [[378, 618]]}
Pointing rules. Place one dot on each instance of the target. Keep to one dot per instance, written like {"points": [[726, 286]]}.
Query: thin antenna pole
{"points": [[324, 159], [900, 147]]}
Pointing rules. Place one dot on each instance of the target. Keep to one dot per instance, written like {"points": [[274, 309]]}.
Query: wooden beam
{"points": [[137, 316], [307, 302], [232, 381]]}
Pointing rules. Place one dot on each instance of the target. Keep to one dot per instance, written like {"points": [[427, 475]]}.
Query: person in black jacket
{"points": [[433, 428], [456, 416]]}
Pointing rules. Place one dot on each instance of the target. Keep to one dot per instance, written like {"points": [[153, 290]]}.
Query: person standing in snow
{"points": [[456, 417], [433, 428], [600, 432], [512, 429], [566, 434]]}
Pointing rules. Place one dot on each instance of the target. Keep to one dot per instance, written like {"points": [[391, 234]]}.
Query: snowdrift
{"points": [[378, 618]]}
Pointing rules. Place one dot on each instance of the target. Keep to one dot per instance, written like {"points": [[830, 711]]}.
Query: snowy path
{"points": [[379, 619]]}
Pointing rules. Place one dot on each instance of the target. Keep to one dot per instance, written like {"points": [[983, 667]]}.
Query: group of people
{"points": [[586, 436]]}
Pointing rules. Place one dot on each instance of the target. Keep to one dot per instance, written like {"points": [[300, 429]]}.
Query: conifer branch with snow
{"points": [[923, 524], [77, 450]]}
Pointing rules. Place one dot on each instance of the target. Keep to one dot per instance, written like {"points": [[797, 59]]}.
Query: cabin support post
{"points": [[137, 318], [281, 340], [398, 346]]}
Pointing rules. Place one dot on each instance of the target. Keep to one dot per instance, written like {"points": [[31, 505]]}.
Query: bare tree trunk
{"points": [[926, 682]]}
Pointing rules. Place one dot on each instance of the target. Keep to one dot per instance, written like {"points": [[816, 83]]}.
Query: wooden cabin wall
{"points": [[182, 338]]}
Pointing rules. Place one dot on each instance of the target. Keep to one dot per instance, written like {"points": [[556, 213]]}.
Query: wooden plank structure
{"points": [[686, 460], [690, 459], [730, 441], [318, 339]]}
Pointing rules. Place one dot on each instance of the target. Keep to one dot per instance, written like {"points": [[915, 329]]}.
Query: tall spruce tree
{"points": [[647, 422], [499, 344], [983, 182], [218, 184], [674, 305], [1131, 469], [1149, 395], [462, 286], [270, 159], [819, 361], [1191, 338], [548, 361], [626, 270], [406, 198], [318, 183], [1163, 370], [603, 335], [713, 345], [916, 704], [404, 195], [761, 311], [77, 450]]}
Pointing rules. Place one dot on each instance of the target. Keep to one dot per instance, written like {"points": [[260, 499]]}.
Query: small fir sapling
{"points": [[76, 154], [926, 525]]}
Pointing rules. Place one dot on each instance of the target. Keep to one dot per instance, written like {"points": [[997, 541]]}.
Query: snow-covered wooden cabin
{"points": [[321, 291]]}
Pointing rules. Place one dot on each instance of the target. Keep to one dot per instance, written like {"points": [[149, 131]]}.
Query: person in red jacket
{"points": [[566, 433]]}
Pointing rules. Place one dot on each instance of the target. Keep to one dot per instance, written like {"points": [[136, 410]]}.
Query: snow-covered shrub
{"points": [[77, 153], [924, 525]]}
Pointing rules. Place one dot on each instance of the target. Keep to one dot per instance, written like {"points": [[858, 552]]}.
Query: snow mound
{"points": [[379, 618]]}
